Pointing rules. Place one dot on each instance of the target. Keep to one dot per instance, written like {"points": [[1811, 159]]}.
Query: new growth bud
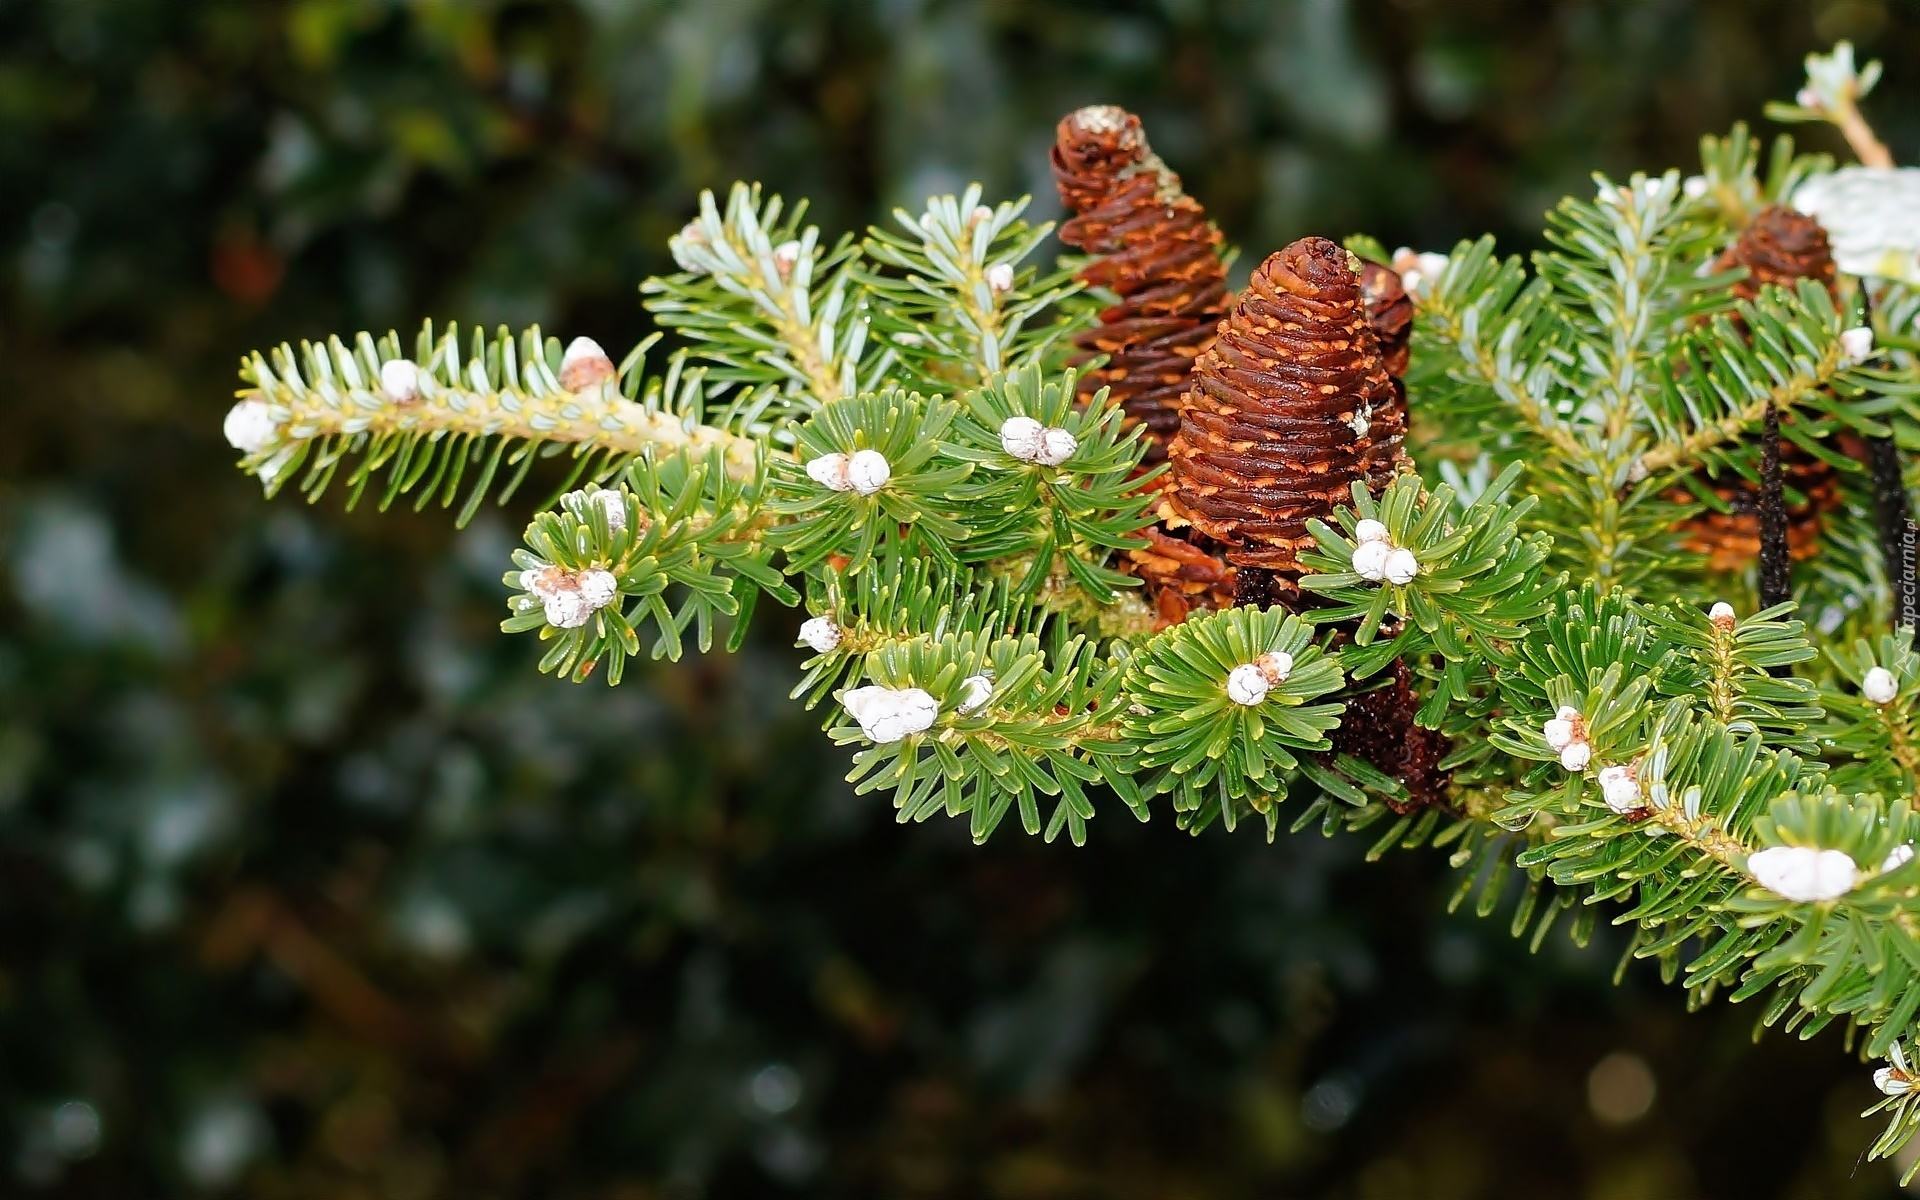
{"points": [[400, 380], [864, 471], [1247, 684], [249, 427], [1620, 788], [868, 472], [570, 599], [1856, 344], [820, 634], [1029, 441], [889, 714], [975, 691], [614, 505], [1803, 873], [1880, 686], [584, 365]]}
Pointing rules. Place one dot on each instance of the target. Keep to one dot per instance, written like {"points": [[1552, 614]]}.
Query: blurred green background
{"points": [[310, 885]]}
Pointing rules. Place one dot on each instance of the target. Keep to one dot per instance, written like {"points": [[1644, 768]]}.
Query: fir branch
{"points": [[1723, 380], [680, 539], [1876, 720], [1472, 579], [1476, 330], [429, 419], [970, 723], [1222, 704], [1054, 485], [767, 305], [963, 305], [868, 479]]}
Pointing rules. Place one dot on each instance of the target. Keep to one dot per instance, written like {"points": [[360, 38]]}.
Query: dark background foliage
{"points": [[311, 887]]}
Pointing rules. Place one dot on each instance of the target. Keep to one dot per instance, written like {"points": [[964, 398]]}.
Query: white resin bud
{"points": [[1857, 343], [980, 213], [1056, 447], [889, 714], [1880, 686], [868, 472], [1000, 277], [1694, 187], [1620, 788], [546, 581], [784, 256], [584, 364], [1247, 684], [1431, 265], [1021, 437], [1897, 857], [975, 691], [1370, 560], [1803, 873], [1401, 566], [567, 609], [1806, 97], [820, 635], [1275, 666], [831, 471], [249, 427], [1559, 734], [598, 587], [400, 380], [1575, 756], [1721, 614], [1369, 530]]}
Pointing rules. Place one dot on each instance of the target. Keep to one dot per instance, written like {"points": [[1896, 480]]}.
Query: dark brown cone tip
{"points": [[1156, 249], [1288, 408], [1378, 728], [1778, 247]]}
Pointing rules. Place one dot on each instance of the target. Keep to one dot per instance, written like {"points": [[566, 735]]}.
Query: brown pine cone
{"points": [[1779, 247], [1157, 250], [1278, 421]]}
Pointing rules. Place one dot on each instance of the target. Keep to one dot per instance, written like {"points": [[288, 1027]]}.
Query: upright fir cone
{"points": [[1778, 248], [1157, 250], [1279, 420]]}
